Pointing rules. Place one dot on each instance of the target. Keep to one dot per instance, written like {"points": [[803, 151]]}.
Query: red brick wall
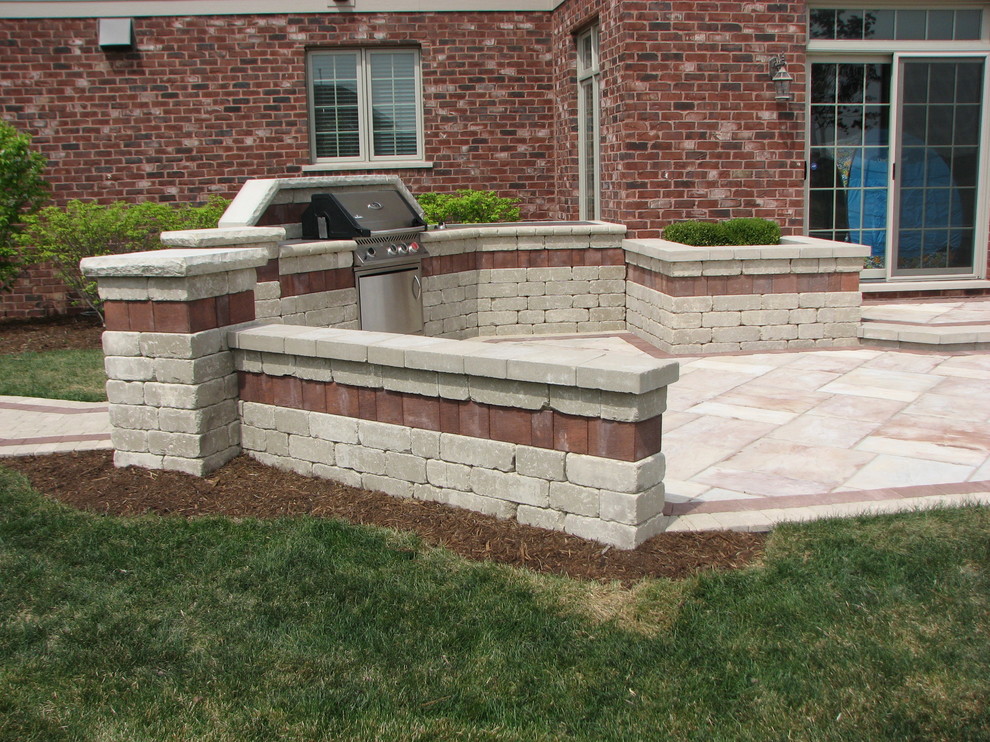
{"points": [[208, 102], [690, 128], [37, 292]]}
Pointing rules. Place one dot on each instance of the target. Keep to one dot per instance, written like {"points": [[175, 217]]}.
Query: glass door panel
{"points": [[588, 143], [589, 127], [938, 166], [849, 164]]}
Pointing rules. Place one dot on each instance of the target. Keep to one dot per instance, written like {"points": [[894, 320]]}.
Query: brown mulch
{"points": [[245, 488], [55, 333]]}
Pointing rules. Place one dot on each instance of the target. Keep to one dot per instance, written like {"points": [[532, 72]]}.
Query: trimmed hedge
{"points": [[742, 231]]}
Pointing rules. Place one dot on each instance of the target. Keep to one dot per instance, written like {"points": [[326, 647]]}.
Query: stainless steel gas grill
{"points": [[386, 223]]}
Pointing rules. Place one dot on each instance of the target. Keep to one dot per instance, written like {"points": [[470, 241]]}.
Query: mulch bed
{"points": [[245, 488], [55, 333]]}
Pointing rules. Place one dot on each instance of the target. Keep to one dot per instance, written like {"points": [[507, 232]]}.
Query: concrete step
{"points": [[908, 335], [948, 324]]}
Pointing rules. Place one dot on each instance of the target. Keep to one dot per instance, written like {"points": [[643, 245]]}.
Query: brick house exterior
{"points": [[689, 125]]}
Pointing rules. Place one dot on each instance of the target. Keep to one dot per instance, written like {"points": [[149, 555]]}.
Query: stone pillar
{"points": [[172, 387]]}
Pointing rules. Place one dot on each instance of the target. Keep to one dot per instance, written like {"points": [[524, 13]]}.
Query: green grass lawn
{"points": [[56, 374], [304, 629]]}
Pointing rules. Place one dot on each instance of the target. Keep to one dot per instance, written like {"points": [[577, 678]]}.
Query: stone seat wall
{"points": [[562, 439]]}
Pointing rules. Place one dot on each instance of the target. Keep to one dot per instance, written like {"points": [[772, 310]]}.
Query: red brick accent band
{"points": [[788, 283], [55, 439], [879, 297], [826, 498], [312, 282], [279, 214], [625, 441], [294, 284], [438, 265], [179, 316], [268, 272]]}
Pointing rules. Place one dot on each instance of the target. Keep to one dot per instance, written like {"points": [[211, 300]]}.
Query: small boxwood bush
{"points": [[468, 207], [742, 231], [699, 234], [752, 231]]}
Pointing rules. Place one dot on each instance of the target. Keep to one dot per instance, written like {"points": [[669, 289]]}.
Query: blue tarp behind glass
{"points": [[931, 215]]}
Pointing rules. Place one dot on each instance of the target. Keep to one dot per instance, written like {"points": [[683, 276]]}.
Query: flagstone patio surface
{"points": [[756, 439]]}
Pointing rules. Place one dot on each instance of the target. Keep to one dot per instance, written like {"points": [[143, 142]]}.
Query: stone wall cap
{"points": [[445, 235], [621, 373], [790, 247], [174, 263], [527, 362], [223, 236], [813, 247], [531, 229], [305, 248]]}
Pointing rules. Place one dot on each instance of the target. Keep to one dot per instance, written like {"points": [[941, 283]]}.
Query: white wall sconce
{"points": [[116, 34], [782, 79]]}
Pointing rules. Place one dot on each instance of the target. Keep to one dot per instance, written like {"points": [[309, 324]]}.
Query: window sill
{"points": [[392, 165]]}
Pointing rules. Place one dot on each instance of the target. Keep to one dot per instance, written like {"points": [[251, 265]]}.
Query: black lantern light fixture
{"points": [[781, 79]]}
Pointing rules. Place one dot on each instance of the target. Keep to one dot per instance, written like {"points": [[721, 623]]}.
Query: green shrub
{"points": [[468, 207], [699, 234], [22, 192], [742, 231], [751, 231], [80, 229]]}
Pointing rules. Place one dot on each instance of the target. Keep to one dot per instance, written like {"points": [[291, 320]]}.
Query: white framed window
{"points": [[589, 127], [898, 137], [365, 105], [896, 24]]}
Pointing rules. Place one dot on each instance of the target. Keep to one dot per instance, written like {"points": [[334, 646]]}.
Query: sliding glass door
{"points": [[937, 173], [895, 160]]}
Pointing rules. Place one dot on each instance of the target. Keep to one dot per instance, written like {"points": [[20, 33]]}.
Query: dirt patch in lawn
{"points": [[244, 488], [56, 333]]}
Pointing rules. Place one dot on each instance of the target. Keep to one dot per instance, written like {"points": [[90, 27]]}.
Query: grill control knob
{"points": [[414, 247], [371, 252], [401, 249], [391, 250]]}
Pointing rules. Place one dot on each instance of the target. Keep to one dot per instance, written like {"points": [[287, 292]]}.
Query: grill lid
{"points": [[362, 213]]}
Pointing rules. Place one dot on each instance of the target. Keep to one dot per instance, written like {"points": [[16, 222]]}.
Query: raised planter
{"points": [[803, 293]]}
